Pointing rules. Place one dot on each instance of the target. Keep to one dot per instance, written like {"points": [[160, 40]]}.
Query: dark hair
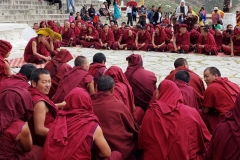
{"points": [[218, 22], [153, 6], [180, 62], [205, 29], [71, 13], [142, 6], [143, 28], [99, 57], [35, 75], [106, 25], [126, 26], [213, 71], [202, 8], [79, 60], [123, 22], [35, 23], [77, 12], [229, 31], [169, 25], [229, 25], [183, 76], [27, 70], [105, 83]]}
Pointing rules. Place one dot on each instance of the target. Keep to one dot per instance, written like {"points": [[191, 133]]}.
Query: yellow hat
{"points": [[55, 35], [44, 31]]}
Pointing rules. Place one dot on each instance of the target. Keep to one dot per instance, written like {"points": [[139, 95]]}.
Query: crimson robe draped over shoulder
{"points": [[126, 39], [58, 67], [209, 45], [160, 37], [107, 38], [195, 82], [236, 45], [66, 36], [194, 36], [54, 28], [117, 34], [225, 141], [37, 96], [119, 126], [2, 68], [69, 81], [96, 70], [71, 134], [172, 130], [219, 41], [95, 37], [169, 34], [144, 38], [143, 82]]}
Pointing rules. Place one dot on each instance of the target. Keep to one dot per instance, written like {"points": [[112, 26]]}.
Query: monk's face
{"points": [[157, 30], [230, 27], [84, 27], [43, 84], [130, 33], [106, 28], [217, 32], [195, 26], [183, 30], [237, 36], [115, 27], [67, 25], [209, 78], [148, 28], [86, 65], [142, 31], [72, 25], [90, 29], [36, 26], [112, 23], [79, 25]]}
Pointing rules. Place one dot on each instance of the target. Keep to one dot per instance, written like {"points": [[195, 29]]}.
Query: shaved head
{"points": [[181, 62]]}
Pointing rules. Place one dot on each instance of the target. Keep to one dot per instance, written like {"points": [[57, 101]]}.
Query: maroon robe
{"points": [[126, 40], [172, 130], [117, 34], [169, 34], [29, 57], [159, 39], [106, 38], [119, 126], [195, 82], [96, 70], [50, 115], [219, 41], [3, 72], [53, 27], [209, 45], [182, 41], [194, 34], [226, 44], [142, 38], [236, 47], [94, 34], [58, 67], [68, 37], [69, 81]]}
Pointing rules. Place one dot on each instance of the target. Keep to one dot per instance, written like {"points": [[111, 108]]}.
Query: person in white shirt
{"points": [[129, 15], [181, 12]]}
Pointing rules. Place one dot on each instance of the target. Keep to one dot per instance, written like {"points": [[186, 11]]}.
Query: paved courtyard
{"points": [[162, 63]]}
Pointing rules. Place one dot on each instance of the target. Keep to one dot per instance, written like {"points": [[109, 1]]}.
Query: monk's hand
{"points": [[48, 58], [178, 48], [154, 46]]}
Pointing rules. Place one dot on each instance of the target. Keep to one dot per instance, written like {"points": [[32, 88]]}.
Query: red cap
{"points": [[5, 47], [183, 26]]}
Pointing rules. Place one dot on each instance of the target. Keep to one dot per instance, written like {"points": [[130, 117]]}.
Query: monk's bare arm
{"points": [[47, 44], [231, 43], [34, 49], [91, 90], [7, 69], [39, 115], [60, 105], [101, 143], [153, 37], [51, 45], [205, 109], [136, 40], [100, 41], [25, 138], [119, 41]]}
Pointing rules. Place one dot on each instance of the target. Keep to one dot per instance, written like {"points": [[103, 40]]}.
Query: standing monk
{"points": [[159, 38], [181, 41], [5, 48], [125, 41], [106, 38], [45, 110], [91, 38], [69, 80], [195, 81], [68, 35], [219, 97], [206, 43], [218, 39], [143, 82], [143, 38], [57, 67], [20, 79], [170, 129], [36, 50]]}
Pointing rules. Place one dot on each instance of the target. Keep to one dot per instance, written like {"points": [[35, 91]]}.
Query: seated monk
{"points": [[57, 67], [68, 36], [226, 47], [181, 41], [169, 32], [143, 38], [117, 32], [143, 82], [119, 119], [82, 129], [125, 41], [5, 48], [194, 34], [219, 97], [170, 129], [149, 28], [97, 67], [36, 50], [159, 38], [52, 26], [182, 79], [75, 29], [195, 81], [45, 110], [206, 43], [69, 81], [218, 37], [91, 37], [225, 142], [55, 43], [106, 38], [15, 136], [20, 79], [235, 43]]}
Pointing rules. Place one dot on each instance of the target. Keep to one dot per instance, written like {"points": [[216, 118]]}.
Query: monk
{"points": [[218, 39], [194, 35], [69, 80], [182, 79], [170, 129], [97, 67], [68, 36], [225, 142], [20, 79], [52, 26], [126, 40], [45, 110], [106, 38], [82, 129], [235, 42], [91, 37], [36, 50], [226, 47], [119, 126], [149, 28], [169, 32], [219, 97], [117, 32], [195, 81], [159, 38], [206, 43], [75, 29], [57, 67], [181, 41], [15, 136], [5, 48], [142, 81], [143, 38], [84, 31]]}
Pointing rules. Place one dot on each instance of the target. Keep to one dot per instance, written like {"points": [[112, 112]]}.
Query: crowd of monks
{"points": [[89, 111]]}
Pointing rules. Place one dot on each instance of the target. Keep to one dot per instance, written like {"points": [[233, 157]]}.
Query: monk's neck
{"points": [[66, 29]]}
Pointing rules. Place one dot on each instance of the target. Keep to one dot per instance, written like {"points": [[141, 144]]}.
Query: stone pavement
{"points": [[162, 63]]}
